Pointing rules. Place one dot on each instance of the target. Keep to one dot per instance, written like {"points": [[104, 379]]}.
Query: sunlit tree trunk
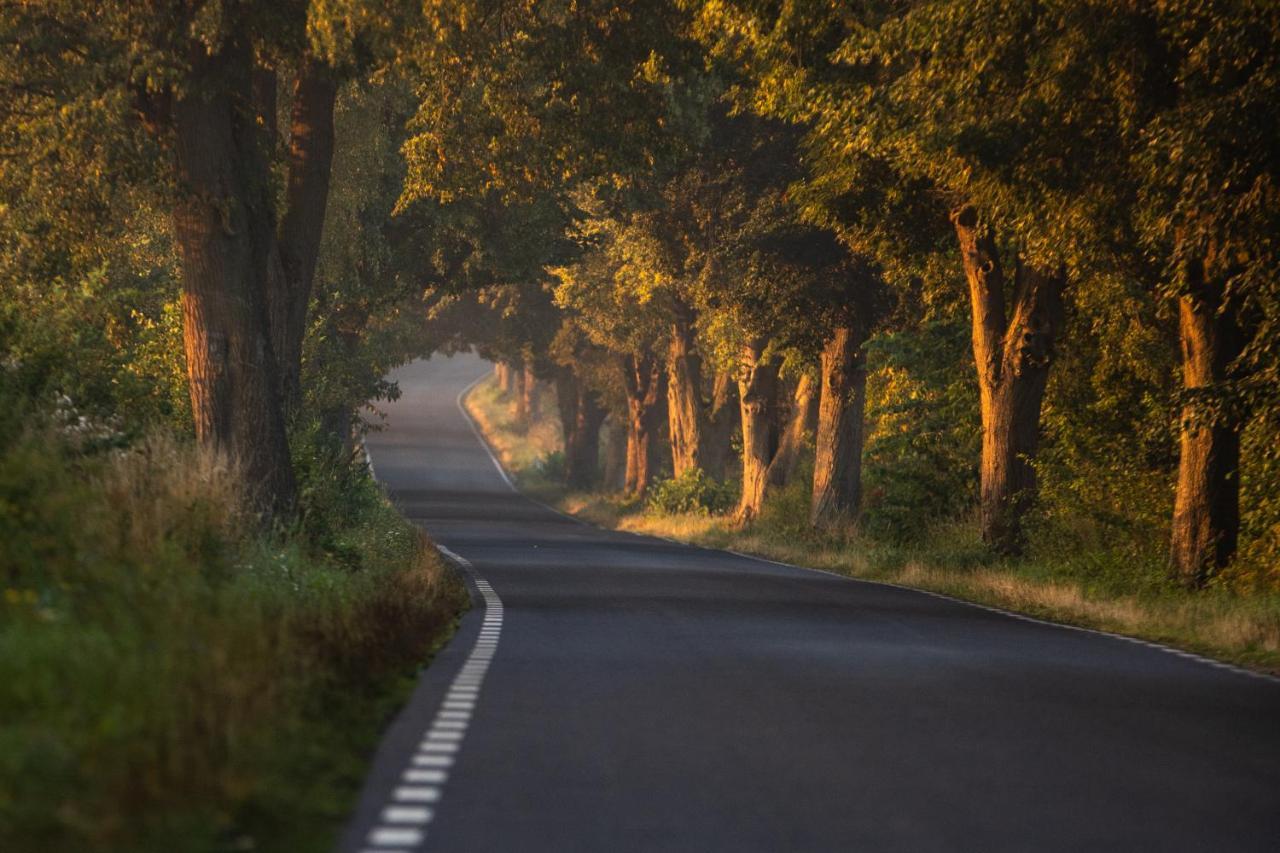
{"points": [[801, 421], [685, 411], [645, 382], [1013, 352], [519, 400], [1206, 514], [837, 468], [758, 392], [530, 389], [230, 361]]}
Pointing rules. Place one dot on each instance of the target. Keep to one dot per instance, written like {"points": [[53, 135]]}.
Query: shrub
{"points": [[550, 466], [172, 676], [692, 492]]}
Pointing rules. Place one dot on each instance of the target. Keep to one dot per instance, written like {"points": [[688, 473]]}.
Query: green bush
{"points": [[175, 678], [550, 466], [692, 492]]}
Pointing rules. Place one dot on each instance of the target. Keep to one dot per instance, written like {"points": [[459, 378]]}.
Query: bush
{"points": [[692, 492], [550, 466], [172, 677]]}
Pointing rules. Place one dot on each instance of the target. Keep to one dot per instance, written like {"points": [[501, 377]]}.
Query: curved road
{"points": [[611, 692]]}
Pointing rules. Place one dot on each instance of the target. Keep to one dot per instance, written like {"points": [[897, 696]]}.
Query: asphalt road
{"points": [[627, 694]]}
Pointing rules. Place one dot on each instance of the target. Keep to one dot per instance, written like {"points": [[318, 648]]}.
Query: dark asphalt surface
{"points": [[650, 696]]}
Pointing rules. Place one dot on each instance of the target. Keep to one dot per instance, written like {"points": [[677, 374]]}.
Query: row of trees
{"points": [[735, 227], [1083, 168]]}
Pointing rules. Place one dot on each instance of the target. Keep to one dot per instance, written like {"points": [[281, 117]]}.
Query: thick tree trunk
{"points": [[758, 393], [310, 158], [582, 457], [567, 389], [723, 420], [230, 363], [837, 468], [685, 410], [615, 454], [1013, 357], [644, 382], [506, 378], [1206, 514], [801, 421], [580, 418]]}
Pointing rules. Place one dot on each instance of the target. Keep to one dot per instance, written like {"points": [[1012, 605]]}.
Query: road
{"points": [[611, 692]]}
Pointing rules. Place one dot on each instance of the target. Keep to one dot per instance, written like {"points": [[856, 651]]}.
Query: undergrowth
{"points": [[173, 677]]}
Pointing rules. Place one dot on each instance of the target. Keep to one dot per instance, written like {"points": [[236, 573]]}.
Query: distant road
{"points": [[618, 693]]}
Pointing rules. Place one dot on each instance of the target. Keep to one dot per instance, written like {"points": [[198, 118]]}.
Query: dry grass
{"points": [[1244, 629]]}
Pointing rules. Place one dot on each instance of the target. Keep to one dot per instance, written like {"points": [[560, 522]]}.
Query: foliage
{"points": [[692, 492], [922, 438], [174, 682]]}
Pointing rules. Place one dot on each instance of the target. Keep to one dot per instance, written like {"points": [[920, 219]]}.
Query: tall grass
{"points": [[175, 678]]}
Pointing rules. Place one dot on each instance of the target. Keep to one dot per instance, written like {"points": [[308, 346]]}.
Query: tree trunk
{"points": [[722, 422], [616, 454], [644, 381], [1206, 514], [800, 426], [506, 378], [519, 399], [1013, 357], [758, 393], [837, 467], [685, 411], [310, 158], [529, 388], [582, 457], [230, 363], [567, 390]]}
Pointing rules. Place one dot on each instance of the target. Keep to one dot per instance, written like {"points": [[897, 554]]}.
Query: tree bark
{"points": [[310, 160], [758, 392], [582, 458], [519, 399], [801, 422], [615, 454], [644, 381], [685, 410], [1013, 355], [723, 420], [529, 388], [1206, 514], [230, 362], [837, 468], [567, 389]]}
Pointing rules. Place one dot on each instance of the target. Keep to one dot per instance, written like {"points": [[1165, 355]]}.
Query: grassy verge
{"points": [[1067, 582], [171, 679]]}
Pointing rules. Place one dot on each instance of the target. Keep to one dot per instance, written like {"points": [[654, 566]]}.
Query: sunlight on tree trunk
{"points": [[758, 390], [1206, 514], [230, 362], [837, 467], [1012, 355], [800, 427], [645, 382]]}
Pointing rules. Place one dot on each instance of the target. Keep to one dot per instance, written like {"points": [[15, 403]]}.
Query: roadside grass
{"points": [[173, 678], [1072, 580]]}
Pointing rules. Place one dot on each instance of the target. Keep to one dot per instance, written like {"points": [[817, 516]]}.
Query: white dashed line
{"points": [[401, 827]]}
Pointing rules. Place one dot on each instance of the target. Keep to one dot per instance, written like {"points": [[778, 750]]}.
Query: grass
{"points": [[1065, 580], [173, 678]]}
